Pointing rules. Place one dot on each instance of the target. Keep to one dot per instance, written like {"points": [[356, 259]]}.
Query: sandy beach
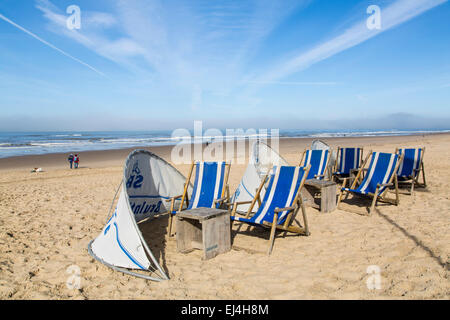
{"points": [[47, 220]]}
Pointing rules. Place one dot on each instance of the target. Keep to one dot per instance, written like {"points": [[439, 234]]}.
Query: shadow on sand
{"points": [[417, 241], [154, 231]]}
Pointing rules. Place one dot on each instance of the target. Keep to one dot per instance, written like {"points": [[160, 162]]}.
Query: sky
{"points": [[292, 64]]}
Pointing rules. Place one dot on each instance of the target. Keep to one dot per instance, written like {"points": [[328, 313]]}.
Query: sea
{"points": [[34, 143]]}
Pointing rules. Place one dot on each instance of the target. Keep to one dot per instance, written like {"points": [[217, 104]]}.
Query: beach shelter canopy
{"points": [[147, 182], [321, 145], [262, 159]]}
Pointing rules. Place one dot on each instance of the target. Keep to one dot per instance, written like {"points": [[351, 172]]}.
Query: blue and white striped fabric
{"points": [[208, 184], [349, 159], [380, 171], [318, 160], [410, 166], [280, 193]]}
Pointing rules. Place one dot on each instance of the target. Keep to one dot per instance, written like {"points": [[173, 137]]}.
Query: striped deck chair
{"points": [[379, 176], [280, 204], [319, 160], [210, 187], [348, 161], [412, 165]]}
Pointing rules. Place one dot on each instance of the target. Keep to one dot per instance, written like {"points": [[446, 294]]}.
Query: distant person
{"points": [[70, 159], [76, 160]]}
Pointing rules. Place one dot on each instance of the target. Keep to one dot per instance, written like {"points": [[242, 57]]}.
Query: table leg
{"points": [[328, 199], [216, 236]]}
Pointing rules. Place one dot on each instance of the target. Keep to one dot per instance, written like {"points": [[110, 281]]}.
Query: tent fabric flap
{"points": [[262, 160], [148, 181], [118, 243]]}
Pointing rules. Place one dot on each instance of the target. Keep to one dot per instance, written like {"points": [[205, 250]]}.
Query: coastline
{"points": [[116, 157]]}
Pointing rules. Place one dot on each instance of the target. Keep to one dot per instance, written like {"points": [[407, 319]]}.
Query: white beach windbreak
{"points": [[147, 182], [262, 159], [320, 145]]}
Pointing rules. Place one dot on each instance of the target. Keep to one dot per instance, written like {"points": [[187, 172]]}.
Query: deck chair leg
{"points": [[397, 195], [423, 176], [372, 207], [305, 219], [341, 193], [171, 217], [272, 233], [374, 201], [232, 214], [170, 224], [340, 199]]}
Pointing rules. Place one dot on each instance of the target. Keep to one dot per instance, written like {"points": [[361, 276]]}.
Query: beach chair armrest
{"points": [[319, 176], [385, 185], [174, 198], [230, 204], [242, 202], [220, 202], [278, 210]]}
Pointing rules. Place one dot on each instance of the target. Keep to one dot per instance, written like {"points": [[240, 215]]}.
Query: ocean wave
{"points": [[16, 144]]}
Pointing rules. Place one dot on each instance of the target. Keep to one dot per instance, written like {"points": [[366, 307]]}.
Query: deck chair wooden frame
{"points": [[393, 182], [337, 178], [414, 179], [185, 197], [287, 226], [327, 169]]}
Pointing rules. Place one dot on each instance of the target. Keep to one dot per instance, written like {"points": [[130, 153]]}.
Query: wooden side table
{"points": [[207, 229], [327, 190]]}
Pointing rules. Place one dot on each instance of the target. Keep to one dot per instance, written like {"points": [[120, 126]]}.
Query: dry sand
{"points": [[47, 219]]}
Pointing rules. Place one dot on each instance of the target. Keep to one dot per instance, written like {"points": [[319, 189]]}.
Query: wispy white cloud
{"points": [[49, 44], [184, 44], [99, 19], [205, 49], [393, 15], [91, 34]]}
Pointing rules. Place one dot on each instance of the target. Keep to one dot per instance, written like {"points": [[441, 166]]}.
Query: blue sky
{"points": [[145, 64]]}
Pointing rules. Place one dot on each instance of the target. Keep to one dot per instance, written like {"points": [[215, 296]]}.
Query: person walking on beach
{"points": [[76, 160], [70, 160]]}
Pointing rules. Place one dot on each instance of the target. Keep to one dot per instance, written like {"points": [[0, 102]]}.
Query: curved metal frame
{"points": [[126, 271], [255, 161]]}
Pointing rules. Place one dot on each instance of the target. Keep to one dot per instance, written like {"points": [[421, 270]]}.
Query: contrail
{"points": [[395, 14], [50, 45]]}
